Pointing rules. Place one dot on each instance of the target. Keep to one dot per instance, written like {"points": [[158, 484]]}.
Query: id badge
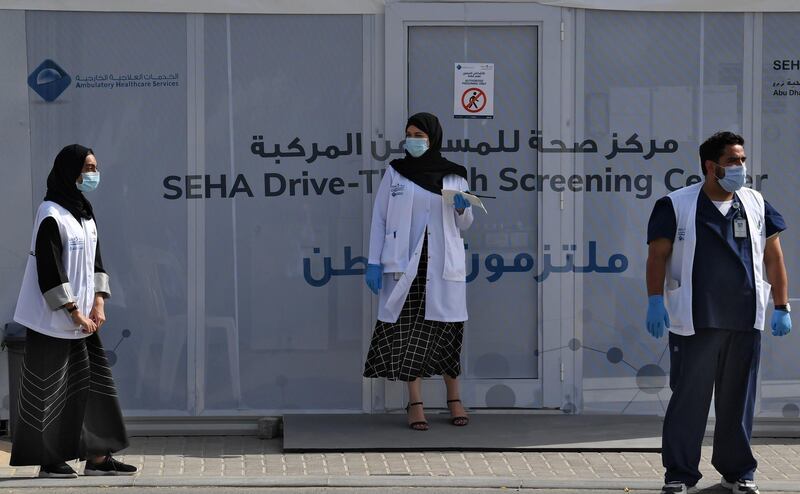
{"points": [[740, 228]]}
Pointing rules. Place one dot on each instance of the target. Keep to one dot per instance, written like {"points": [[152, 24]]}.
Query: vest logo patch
{"points": [[398, 189], [681, 234], [75, 243]]}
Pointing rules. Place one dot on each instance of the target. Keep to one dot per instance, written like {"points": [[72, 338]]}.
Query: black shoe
{"points": [[419, 425], [741, 486], [109, 467], [459, 421], [677, 488], [57, 471]]}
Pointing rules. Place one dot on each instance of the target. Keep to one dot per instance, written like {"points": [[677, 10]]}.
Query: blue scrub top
{"points": [[723, 287]]}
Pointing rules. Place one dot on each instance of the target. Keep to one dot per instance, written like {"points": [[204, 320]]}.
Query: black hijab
{"points": [[61, 183], [428, 170]]}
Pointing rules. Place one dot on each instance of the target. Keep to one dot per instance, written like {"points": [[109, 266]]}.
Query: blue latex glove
{"points": [[460, 202], [781, 323], [373, 277], [657, 317]]}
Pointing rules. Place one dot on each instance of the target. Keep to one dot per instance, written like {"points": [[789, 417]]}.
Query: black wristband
{"points": [[72, 309]]}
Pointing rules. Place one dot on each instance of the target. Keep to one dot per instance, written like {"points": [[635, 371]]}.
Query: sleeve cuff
{"points": [[101, 284], [58, 296], [464, 220]]}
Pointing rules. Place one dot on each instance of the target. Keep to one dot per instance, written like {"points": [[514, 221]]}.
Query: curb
{"points": [[367, 481]]}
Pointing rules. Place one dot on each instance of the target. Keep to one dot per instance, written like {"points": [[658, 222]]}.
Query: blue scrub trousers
{"points": [[724, 363]]}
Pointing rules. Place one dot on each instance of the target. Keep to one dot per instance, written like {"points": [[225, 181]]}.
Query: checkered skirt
{"points": [[413, 346]]}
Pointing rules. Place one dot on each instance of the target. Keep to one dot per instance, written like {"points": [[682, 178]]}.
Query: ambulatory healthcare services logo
{"points": [[49, 80]]}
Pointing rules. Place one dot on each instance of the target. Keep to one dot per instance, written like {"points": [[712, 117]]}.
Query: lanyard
{"points": [[737, 209]]}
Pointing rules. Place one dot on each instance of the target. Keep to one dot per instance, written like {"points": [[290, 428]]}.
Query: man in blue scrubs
{"points": [[717, 350]]}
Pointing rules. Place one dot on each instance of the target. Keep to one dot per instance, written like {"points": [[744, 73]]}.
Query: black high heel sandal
{"points": [[460, 421], [420, 425]]}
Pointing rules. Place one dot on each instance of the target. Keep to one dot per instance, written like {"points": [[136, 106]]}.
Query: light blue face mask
{"points": [[416, 146], [90, 181], [734, 177]]}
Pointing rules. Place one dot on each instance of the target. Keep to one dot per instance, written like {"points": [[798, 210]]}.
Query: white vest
{"points": [[79, 240], [680, 265], [394, 256]]}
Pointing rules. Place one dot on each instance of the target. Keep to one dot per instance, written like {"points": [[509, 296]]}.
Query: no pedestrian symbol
{"points": [[473, 100]]}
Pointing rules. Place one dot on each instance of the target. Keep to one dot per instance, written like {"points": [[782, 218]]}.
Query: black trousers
{"points": [[68, 407], [724, 363]]}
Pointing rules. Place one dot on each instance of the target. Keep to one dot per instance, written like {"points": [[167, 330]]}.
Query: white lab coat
{"points": [[402, 213], [680, 265]]}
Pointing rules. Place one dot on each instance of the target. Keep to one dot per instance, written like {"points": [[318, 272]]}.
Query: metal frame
{"points": [[552, 88], [373, 390], [196, 245]]}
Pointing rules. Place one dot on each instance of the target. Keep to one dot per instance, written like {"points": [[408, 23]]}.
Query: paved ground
{"points": [[239, 461], [313, 490], [327, 490]]}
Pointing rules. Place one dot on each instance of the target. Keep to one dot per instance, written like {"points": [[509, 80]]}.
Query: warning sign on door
{"points": [[474, 90]]}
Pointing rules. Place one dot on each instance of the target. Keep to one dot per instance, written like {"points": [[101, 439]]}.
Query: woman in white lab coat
{"points": [[417, 267]]}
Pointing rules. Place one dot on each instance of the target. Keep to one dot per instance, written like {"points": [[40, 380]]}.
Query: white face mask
{"points": [[416, 146], [734, 177], [90, 181]]}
